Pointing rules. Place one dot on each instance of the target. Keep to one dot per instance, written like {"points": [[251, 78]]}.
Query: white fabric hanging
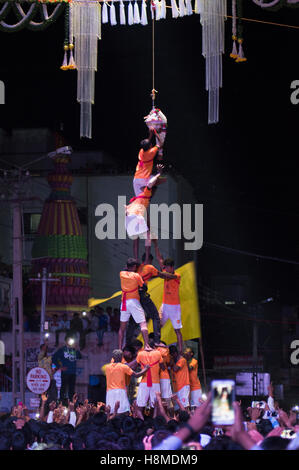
{"points": [[87, 30], [174, 9], [122, 13], [213, 15], [182, 7], [105, 13], [197, 8], [136, 13], [189, 10], [130, 14], [113, 21], [144, 21], [163, 9]]}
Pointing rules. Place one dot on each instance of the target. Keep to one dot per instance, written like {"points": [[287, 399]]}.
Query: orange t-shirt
{"points": [[128, 377], [116, 373], [181, 377], [140, 204], [130, 281], [146, 161], [171, 291], [194, 380], [150, 357], [164, 374], [147, 271]]}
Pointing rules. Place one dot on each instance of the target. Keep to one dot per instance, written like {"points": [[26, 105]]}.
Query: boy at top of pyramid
{"points": [[146, 156]]}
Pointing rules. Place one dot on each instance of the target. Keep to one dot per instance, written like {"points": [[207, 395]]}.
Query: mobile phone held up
{"points": [[258, 404], [223, 396]]}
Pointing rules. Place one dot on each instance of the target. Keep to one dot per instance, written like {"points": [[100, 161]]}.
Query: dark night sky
{"points": [[243, 169]]}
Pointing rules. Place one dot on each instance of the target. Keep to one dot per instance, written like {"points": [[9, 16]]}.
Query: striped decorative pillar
{"points": [[61, 247]]}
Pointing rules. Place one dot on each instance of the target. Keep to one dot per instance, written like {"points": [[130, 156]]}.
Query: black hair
{"points": [[18, 440], [107, 445], [99, 419], [131, 262], [222, 443], [159, 423], [92, 439], [159, 436], [130, 348], [264, 427], [173, 349], [146, 144], [183, 416], [274, 443], [137, 344], [124, 442], [128, 424], [5, 440], [172, 425], [78, 443], [150, 257], [168, 262]]}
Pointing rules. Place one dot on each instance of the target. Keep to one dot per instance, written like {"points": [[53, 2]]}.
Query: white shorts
{"points": [[147, 394], [195, 397], [165, 385], [133, 308], [118, 394], [136, 225], [183, 395], [173, 313], [138, 183]]}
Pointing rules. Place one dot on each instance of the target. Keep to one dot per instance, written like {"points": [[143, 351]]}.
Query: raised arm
{"points": [[143, 371], [158, 254], [167, 276], [161, 143]]}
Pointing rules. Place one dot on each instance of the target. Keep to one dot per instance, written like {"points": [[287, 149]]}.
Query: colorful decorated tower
{"points": [[60, 246]]}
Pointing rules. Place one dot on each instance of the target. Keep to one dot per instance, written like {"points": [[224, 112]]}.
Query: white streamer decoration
{"points": [[213, 15], [197, 6], [87, 30], [189, 10], [182, 7], [174, 9], [130, 14], [113, 21], [136, 13], [104, 13], [158, 10], [122, 13], [163, 9], [144, 21]]}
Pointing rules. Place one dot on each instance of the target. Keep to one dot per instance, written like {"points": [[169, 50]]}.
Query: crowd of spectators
{"points": [[71, 424], [94, 426]]}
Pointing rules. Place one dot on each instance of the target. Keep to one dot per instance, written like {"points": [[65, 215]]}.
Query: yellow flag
{"points": [[189, 305], [188, 299]]}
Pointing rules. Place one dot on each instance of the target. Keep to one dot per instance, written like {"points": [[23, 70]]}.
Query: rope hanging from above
{"points": [[156, 118]]}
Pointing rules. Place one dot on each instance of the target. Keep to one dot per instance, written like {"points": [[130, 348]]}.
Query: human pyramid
{"points": [[164, 370]]}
